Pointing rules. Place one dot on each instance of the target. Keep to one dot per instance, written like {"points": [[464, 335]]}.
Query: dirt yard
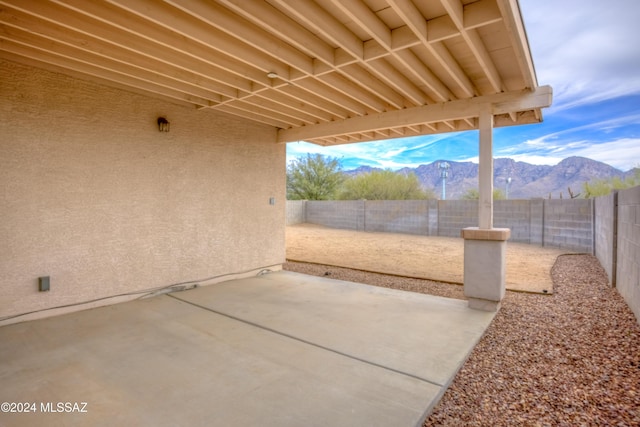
{"points": [[426, 257]]}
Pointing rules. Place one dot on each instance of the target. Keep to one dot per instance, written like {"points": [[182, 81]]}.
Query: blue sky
{"points": [[589, 52]]}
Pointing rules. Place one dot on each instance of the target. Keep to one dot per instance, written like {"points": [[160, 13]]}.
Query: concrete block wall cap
{"points": [[494, 234]]}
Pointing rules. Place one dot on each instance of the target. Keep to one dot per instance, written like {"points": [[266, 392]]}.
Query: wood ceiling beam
{"points": [[186, 25], [230, 109], [440, 29], [306, 96], [398, 131], [324, 23], [398, 81], [428, 128], [331, 95], [239, 28], [276, 22], [479, 50], [180, 100], [319, 19], [254, 108], [518, 37], [475, 15], [198, 32], [451, 124], [524, 117], [378, 30], [472, 39], [314, 16], [481, 13], [222, 19], [501, 103], [145, 84], [303, 97], [341, 139], [360, 75], [143, 71], [325, 142], [267, 103], [372, 51], [346, 87], [373, 89], [369, 22], [371, 93], [414, 19], [303, 106], [403, 38], [153, 60], [423, 74], [366, 19], [134, 28]]}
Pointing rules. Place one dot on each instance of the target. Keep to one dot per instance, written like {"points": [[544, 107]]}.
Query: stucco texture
{"points": [[94, 196]]}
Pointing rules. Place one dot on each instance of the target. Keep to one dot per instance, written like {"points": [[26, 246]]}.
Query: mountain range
{"points": [[527, 180]]}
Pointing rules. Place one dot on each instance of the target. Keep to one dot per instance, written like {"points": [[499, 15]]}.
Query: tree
{"points": [[314, 177], [604, 186], [474, 194], [384, 185]]}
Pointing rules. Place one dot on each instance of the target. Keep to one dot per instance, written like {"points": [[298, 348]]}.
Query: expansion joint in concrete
{"points": [[305, 341]]}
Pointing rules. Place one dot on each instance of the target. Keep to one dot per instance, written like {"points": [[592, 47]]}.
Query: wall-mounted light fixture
{"points": [[163, 124]]}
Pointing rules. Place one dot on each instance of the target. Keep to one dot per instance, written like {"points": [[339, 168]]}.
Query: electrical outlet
{"points": [[43, 283]]}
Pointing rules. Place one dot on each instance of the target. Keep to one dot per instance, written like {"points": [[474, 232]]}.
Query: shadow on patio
{"points": [[281, 349]]}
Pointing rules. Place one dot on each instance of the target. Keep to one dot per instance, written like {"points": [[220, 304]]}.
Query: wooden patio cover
{"points": [[323, 71]]}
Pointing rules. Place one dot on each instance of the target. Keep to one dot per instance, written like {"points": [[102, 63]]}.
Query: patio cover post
{"points": [[485, 169], [485, 246]]}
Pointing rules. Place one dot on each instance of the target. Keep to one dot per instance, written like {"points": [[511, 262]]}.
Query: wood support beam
{"points": [[502, 103]]}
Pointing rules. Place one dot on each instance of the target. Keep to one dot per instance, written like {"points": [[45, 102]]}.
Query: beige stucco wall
{"points": [[94, 196]]}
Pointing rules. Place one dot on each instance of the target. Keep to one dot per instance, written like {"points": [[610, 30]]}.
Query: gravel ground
{"points": [[567, 359]]}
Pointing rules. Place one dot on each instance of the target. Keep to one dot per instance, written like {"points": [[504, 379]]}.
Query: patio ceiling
{"points": [[324, 71]]}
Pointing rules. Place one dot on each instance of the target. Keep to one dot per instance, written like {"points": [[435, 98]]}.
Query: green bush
{"points": [[474, 194], [384, 185], [314, 177], [602, 187]]}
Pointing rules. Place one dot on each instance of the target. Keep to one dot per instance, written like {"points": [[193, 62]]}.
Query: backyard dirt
{"points": [[426, 257]]}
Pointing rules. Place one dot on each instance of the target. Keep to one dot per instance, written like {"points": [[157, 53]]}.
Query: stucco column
{"points": [[484, 246], [485, 266]]}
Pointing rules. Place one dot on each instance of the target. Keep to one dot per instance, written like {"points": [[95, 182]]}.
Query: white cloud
{"points": [[387, 154], [585, 49], [623, 153]]}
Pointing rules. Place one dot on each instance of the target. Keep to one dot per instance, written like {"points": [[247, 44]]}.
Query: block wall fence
{"points": [[554, 223], [607, 227], [617, 242]]}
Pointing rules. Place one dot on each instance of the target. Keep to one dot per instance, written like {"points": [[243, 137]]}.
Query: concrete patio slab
{"points": [[281, 349], [420, 335]]}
